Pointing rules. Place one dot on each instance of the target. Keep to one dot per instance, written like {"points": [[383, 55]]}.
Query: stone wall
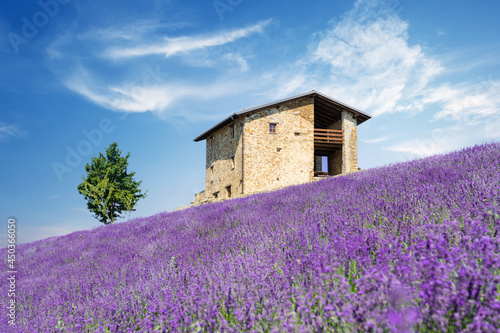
{"points": [[274, 160], [350, 146], [224, 160], [199, 197]]}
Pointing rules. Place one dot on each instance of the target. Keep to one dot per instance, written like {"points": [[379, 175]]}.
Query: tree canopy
{"points": [[108, 187]]}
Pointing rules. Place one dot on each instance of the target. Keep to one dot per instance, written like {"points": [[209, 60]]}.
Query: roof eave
{"points": [[359, 114], [207, 133], [363, 116]]}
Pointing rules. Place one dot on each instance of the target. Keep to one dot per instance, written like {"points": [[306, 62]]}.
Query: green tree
{"points": [[108, 188]]}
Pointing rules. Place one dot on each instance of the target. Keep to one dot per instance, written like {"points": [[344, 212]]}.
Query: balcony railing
{"points": [[328, 138]]}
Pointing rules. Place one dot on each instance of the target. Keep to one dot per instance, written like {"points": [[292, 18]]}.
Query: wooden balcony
{"points": [[326, 140]]}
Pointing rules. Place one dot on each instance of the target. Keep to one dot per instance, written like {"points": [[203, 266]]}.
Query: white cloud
{"points": [[290, 86], [492, 129], [133, 86], [137, 97], [418, 148], [467, 103], [375, 68], [238, 60], [11, 130], [185, 44], [371, 63], [132, 31], [217, 57], [378, 140], [439, 140], [129, 97], [365, 59]]}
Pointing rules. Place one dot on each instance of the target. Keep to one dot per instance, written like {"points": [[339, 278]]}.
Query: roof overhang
{"points": [[358, 114]]}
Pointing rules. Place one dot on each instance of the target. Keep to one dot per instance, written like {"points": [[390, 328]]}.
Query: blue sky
{"points": [[152, 75]]}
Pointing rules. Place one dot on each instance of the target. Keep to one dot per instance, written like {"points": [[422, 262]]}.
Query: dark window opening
{"points": [[228, 191], [231, 130]]}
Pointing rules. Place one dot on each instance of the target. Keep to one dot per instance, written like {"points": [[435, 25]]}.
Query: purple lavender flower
{"points": [[410, 247]]}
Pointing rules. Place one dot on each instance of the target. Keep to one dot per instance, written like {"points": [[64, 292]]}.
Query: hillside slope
{"points": [[412, 246]]}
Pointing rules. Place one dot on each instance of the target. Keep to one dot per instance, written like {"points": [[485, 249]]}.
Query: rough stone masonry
{"points": [[274, 145]]}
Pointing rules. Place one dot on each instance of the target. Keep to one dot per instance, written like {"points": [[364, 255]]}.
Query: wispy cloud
{"points": [[186, 44], [136, 97], [373, 65], [366, 59], [11, 130], [215, 57], [377, 140], [439, 141], [371, 62], [132, 31], [137, 87], [416, 148], [467, 103], [237, 59]]}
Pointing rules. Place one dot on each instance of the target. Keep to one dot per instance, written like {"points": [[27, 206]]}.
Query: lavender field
{"points": [[411, 247]]}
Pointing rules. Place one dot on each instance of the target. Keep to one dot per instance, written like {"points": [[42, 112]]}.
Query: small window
{"points": [[211, 142], [212, 174], [232, 162], [216, 195], [272, 128], [228, 191], [231, 131]]}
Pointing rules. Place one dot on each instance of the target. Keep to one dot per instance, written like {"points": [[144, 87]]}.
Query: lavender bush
{"points": [[411, 247]]}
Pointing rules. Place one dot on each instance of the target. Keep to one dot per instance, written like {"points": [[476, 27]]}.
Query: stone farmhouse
{"points": [[279, 144]]}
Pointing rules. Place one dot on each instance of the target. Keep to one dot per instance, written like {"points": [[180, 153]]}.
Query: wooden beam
{"points": [[330, 104], [330, 108], [320, 122], [325, 117], [328, 130], [327, 144]]}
